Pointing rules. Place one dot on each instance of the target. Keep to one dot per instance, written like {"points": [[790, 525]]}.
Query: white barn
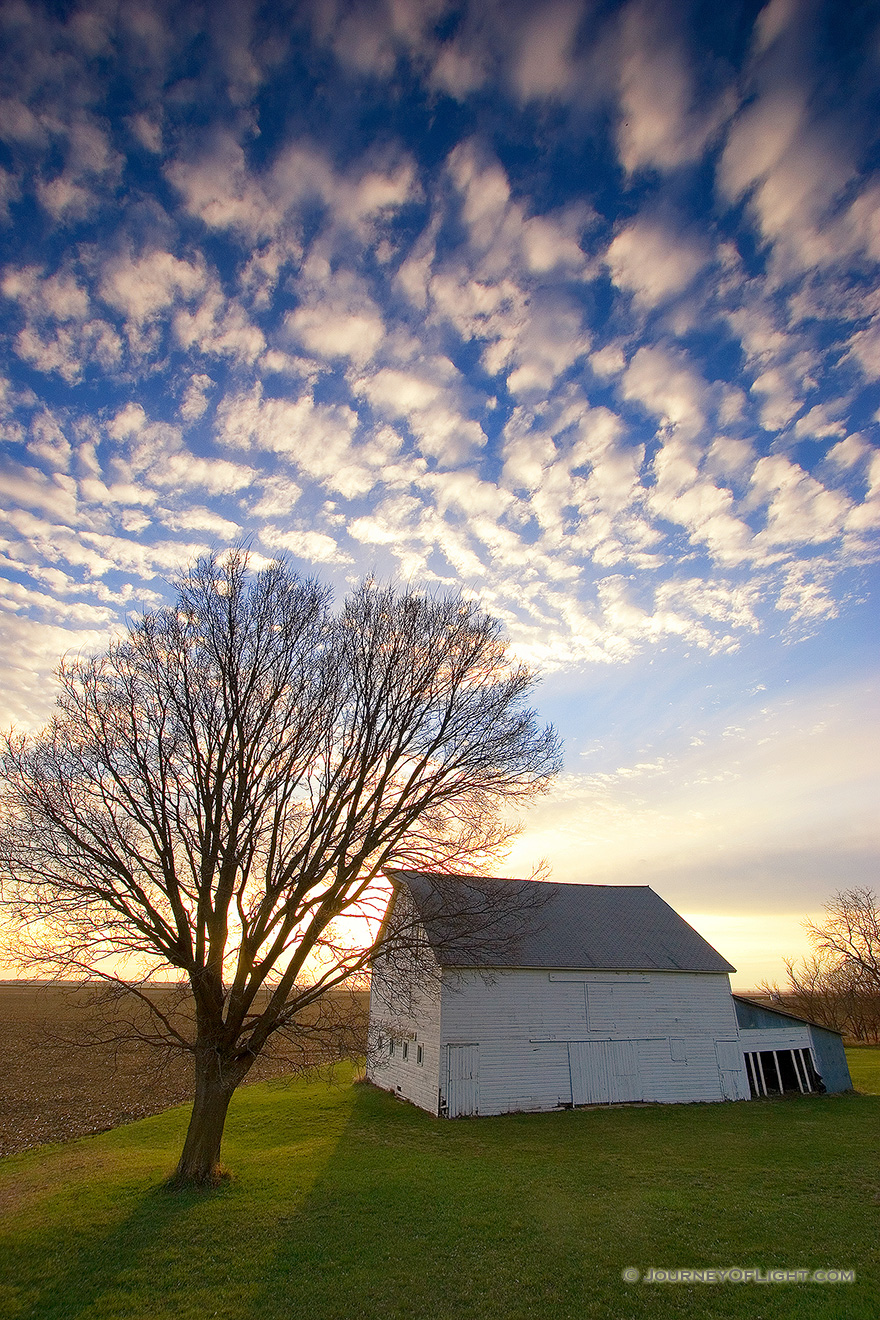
{"points": [[603, 994]]}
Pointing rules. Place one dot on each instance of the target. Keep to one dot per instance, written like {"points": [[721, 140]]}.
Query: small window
{"points": [[677, 1050], [391, 1046], [406, 1049], [420, 1055]]}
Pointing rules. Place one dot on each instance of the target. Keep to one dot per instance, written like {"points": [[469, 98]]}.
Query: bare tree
{"points": [[233, 777], [839, 985], [851, 932]]}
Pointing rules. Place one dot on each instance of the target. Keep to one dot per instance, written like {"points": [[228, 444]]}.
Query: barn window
{"points": [[420, 1055], [406, 1049], [677, 1050], [391, 1045]]}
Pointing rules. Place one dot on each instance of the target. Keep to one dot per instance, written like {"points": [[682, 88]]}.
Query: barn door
{"points": [[463, 1081], [603, 1072], [731, 1070]]}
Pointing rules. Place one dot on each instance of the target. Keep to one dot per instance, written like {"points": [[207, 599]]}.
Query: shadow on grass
{"points": [[348, 1205], [89, 1272], [141, 1248], [538, 1215]]}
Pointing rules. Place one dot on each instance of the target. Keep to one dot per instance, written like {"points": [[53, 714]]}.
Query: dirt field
{"points": [[54, 1090]]}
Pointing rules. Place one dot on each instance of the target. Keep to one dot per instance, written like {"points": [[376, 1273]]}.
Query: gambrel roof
{"points": [[474, 922]]}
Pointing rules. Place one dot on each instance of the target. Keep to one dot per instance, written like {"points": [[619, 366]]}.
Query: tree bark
{"points": [[199, 1164]]}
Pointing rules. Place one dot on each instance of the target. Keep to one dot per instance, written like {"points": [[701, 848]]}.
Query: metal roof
{"points": [[474, 922], [742, 1002]]}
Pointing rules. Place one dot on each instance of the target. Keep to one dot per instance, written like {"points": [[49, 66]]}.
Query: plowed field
{"points": [[54, 1086]]}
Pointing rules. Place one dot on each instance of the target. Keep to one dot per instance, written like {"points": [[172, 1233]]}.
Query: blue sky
{"points": [[571, 306]]}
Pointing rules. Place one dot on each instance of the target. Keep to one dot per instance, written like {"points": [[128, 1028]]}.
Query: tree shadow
{"points": [[81, 1271], [143, 1250], [356, 1247]]}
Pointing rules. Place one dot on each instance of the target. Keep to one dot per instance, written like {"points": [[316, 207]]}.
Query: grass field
{"points": [[864, 1068], [346, 1203]]}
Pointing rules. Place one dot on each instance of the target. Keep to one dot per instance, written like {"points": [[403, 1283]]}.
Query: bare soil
{"points": [[55, 1085]]}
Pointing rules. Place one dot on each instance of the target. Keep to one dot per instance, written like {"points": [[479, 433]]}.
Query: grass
{"points": [[347, 1204], [864, 1067]]}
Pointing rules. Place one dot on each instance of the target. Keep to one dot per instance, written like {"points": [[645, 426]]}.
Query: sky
{"points": [[570, 306]]}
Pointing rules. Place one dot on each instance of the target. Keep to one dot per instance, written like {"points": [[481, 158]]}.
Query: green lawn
{"points": [[864, 1068], [346, 1203]]}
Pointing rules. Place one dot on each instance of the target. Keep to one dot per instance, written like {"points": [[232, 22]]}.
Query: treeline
{"points": [[839, 985]]}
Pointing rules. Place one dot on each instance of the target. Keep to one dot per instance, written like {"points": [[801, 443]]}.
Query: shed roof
{"points": [[742, 1004], [471, 921]]}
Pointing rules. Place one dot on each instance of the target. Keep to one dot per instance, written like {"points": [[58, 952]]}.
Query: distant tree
{"points": [[851, 932], [839, 985], [233, 777]]}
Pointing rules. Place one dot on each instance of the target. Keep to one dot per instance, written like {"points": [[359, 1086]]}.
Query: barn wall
{"points": [[830, 1058], [405, 1007], [784, 1037], [535, 1030]]}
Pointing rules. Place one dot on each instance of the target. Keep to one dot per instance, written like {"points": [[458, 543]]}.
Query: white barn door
{"points": [[731, 1070], [463, 1081], [603, 1072]]}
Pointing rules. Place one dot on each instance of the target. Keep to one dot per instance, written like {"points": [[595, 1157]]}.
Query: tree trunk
{"points": [[199, 1164]]}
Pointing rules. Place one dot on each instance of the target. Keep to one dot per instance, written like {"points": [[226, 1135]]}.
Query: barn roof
{"points": [[749, 1010], [475, 922]]}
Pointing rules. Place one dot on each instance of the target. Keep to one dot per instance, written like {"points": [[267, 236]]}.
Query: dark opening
{"points": [[793, 1068]]}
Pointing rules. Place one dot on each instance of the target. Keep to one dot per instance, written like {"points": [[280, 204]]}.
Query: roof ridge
{"points": [[509, 879]]}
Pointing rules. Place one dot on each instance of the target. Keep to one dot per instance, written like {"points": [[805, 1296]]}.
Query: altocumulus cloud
{"points": [[572, 306]]}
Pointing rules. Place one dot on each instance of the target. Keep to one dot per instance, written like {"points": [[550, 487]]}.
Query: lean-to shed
{"points": [[784, 1052], [532, 995]]}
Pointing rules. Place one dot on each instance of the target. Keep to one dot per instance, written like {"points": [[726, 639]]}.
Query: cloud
{"points": [[219, 327], [199, 519], [143, 287], [26, 486], [60, 334], [799, 509], [510, 287], [154, 450], [336, 317], [794, 158], [653, 262], [219, 186], [314, 547], [29, 652], [663, 122], [666, 384], [317, 440], [544, 65], [195, 400], [91, 168], [424, 395]]}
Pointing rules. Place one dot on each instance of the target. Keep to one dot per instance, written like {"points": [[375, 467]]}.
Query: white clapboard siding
{"points": [[793, 1037], [413, 1019], [551, 1038]]}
